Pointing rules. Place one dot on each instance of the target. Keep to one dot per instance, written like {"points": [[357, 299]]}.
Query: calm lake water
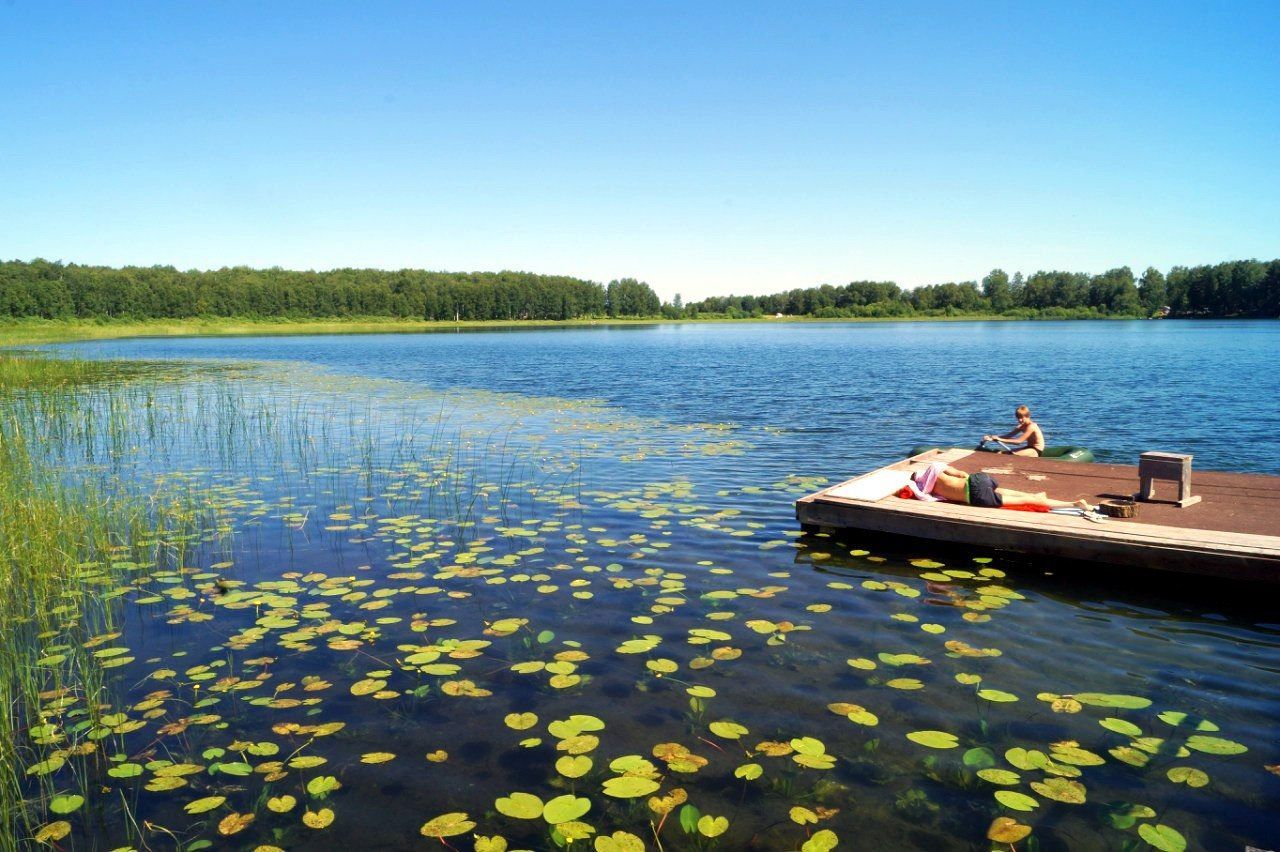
{"points": [[564, 564], [847, 396]]}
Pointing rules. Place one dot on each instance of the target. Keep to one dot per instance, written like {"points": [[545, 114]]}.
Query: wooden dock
{"points": [[1234, 531]]}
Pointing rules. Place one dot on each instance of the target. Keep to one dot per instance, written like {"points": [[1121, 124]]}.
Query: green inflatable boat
{"points": [[1062, 453]]}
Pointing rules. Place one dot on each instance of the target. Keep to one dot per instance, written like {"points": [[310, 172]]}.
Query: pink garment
{"points": [[922, 482]]}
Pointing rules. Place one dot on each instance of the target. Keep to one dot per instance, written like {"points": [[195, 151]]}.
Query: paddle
{"points": [[1004, 446]]}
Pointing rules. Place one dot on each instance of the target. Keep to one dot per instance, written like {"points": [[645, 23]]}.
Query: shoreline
{"points": [[32, 332]]}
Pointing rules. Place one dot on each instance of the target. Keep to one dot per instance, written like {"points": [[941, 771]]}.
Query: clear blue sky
{"points": [[706, 148]]}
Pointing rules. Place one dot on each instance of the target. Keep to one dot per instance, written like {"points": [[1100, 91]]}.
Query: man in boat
{"points": [[941, 481], [1025, 439]]}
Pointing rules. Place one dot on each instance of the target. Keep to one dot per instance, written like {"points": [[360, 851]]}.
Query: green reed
{"points": [[59, 543]]}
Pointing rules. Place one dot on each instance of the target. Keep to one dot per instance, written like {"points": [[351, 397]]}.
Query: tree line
{"points": [[53, 290], [1242, 288]]}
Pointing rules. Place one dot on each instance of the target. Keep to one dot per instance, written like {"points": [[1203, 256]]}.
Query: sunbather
{"points": [[940, 481]]}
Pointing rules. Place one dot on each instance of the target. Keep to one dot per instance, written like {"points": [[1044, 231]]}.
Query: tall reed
{"points": [[59, 541]]}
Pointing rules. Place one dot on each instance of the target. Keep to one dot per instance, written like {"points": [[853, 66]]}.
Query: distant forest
{"points": [[52, 290], [1242, 288]]}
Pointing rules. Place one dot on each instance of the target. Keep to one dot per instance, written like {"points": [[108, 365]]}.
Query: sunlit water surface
{"points": [[433, 535]]}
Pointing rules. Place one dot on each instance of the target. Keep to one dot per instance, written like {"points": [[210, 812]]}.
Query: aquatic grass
{"points": [[64, 550]]}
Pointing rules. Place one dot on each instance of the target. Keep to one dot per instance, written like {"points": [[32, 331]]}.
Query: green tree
{"points": [[995, 287], [1151, 290]]}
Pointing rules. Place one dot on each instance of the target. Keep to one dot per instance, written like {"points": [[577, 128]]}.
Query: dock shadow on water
{"points": [[279, 608]]}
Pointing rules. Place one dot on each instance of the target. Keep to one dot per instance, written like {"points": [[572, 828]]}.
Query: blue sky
{"points": [[706, 148]]}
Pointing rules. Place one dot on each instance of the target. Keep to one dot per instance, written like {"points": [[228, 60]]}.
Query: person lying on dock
{"points": [[1025, 439], [940, 481]]}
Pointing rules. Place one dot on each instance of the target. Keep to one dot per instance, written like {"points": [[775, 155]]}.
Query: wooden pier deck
{"points": [[1233, 532]]}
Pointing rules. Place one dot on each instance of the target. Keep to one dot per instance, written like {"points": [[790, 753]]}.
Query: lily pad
{"points": [[728, 730], [1003, 777], [1188, 775], [979, 758], [208, 803], [1014, 800], [1214, 745], [709, 826], [574, 766], [934, 739], [71, 802], [629, 787], [1120, 726], [234, 823], [823, 840], [520, 806], [1061, 790], [1007, 830], [1162, 837], [619, 841], [447, 825], [997, 695], [281, 804], [323, 785], [565, 808], [1122, 702]]}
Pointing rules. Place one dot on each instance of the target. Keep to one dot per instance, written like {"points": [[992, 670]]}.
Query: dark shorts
{"points": [[982, 491]]}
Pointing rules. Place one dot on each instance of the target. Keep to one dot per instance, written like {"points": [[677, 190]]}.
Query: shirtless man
{"points": [[1026, 437], [980, 489]]}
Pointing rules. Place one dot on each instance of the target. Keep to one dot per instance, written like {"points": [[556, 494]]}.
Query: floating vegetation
{"points": [[265, 609]]}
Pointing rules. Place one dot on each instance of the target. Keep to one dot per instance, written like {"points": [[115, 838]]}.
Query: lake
{"points": [[547, 586]]}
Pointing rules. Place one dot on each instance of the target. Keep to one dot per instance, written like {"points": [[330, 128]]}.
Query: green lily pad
{"points": [[934, 739], [574, 766], [1123, 815], [999, 776], [823, 840], [979, 758], [1188, 775], [997, 695], [1176, 717], [1214, 745], [1016, 801], [1121, 702], [323, 785], [565, 808], [619, 841], [808, 745], [629, 787], [1120, 726], [709, 826], [208, 803], [520, 806], [1061, 790], [45, 767], [447, 825], [727, 730], [1162, 837], [66, 804]]}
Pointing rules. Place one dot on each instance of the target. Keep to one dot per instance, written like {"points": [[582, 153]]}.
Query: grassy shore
{"points": [[24, 332]]}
